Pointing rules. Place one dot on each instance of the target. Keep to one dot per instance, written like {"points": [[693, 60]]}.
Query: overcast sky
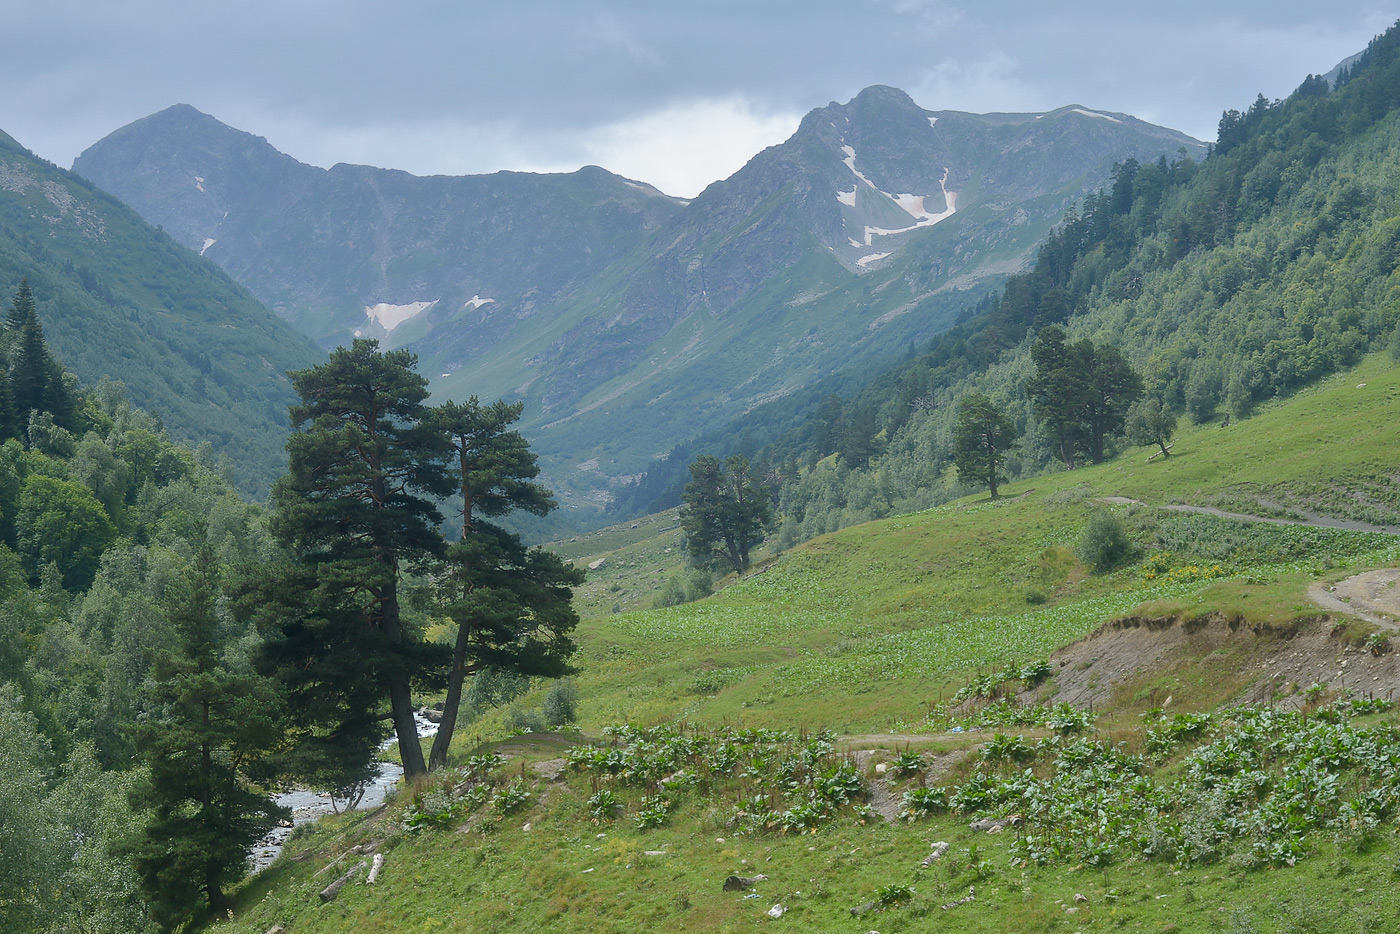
{"points": [[673, 93]]}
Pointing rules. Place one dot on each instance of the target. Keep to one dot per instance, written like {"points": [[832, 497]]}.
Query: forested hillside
{"points": [[121, 299], [1226, 284], [109, 535]]}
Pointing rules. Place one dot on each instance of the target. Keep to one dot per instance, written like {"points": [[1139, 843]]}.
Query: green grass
{"points": [[867, 631], [552, 866]]}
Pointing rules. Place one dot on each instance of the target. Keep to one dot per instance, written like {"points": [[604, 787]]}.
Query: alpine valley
{"points": [[627, 321], [1061, 591]]}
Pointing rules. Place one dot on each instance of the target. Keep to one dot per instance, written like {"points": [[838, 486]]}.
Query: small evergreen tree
{"points": [[981, 436], [21, 308]]}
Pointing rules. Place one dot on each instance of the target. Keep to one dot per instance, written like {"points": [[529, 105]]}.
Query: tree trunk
{"points": [[437, 758], [400, 691], [405, 727]]}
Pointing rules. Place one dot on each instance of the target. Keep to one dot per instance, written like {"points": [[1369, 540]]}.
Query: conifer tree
{"points": [[207, 726], [37, 380], [981, 436], [1081, 392], [30, 364], [21, 308], [512, 605], [357, 511], [724, 510]]}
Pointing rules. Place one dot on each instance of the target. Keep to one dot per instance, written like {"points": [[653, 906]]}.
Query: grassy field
{"points": [[872, 631]]}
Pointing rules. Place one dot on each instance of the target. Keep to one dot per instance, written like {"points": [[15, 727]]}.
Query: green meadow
{"points": [[906, 641]]}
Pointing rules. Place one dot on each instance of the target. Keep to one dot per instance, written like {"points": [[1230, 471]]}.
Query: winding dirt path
{"points": [[1373, 596], [1312, 519]]}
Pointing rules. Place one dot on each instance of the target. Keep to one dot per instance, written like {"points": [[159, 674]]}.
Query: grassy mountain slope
{"points": [[868, 632], [119, 299]]}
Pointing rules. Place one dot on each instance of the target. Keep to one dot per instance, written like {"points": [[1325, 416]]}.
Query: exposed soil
{"points": [[1135, 661], [1374, 596], [883, 799]]}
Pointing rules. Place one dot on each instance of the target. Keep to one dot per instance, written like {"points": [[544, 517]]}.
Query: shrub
{"points": [[1104, 544], [686, 587], [561, 703], [522, 720]]}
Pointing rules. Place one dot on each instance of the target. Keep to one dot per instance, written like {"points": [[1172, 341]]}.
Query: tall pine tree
{"points": [[356, 511], [512, 605], [206, 727]]}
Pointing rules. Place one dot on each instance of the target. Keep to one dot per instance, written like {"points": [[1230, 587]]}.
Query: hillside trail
{"points": [[1373, 595], [1308, 518]]}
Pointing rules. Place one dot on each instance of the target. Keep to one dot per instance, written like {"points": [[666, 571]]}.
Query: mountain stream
{"points": [[308, 806]]}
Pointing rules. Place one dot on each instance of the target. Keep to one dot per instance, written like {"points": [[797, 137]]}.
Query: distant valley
{"points": [[627, 320]]}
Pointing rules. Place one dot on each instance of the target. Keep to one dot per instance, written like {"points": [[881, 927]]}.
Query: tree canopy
{"points": [[725, 510]]}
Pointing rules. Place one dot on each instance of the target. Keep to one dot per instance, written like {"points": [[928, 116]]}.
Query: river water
{"points": [[307, 806]]}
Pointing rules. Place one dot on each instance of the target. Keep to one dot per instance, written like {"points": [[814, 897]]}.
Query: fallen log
{"points": [[329, 893], [939, 849]]}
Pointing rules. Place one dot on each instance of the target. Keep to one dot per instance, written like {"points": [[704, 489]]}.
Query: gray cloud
{"points": [[434, 86]]}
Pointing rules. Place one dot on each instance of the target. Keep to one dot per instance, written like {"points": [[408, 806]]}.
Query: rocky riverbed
{"points": [[307, 805]]}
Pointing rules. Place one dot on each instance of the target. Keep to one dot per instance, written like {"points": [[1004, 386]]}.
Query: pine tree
{"points": [[30, 364], [1081, 392], [37, 380], [22, 308], [206, 727], [512, 605], [981, 436], [724, 511], [357, 511]]}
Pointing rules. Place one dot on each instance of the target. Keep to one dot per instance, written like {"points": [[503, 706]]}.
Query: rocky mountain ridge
{"points": [[627, 320]]}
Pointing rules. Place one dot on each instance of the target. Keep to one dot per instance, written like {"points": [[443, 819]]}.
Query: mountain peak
{"points": [[883, 94]]}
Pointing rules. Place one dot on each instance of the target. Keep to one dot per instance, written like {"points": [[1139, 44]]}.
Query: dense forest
{"points": [[1226, 284], [171, 654], [106, 526]]}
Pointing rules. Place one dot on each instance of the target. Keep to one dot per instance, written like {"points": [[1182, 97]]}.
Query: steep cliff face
{"points": [[625, 319]]}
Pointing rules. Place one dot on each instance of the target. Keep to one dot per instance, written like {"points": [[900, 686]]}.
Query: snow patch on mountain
{"points": [[850, 161], [914, 206], [476, 301], [873, 257], [1090, 113], [199, 182], [208, 242], [932, 121], [389, 316]]}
